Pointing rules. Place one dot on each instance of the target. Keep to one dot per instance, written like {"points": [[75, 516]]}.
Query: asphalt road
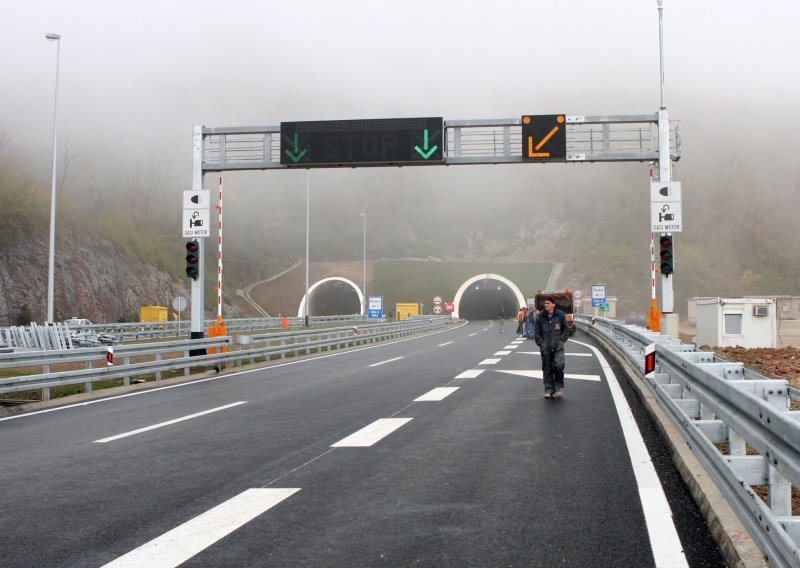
{"points": [[433, 451]]}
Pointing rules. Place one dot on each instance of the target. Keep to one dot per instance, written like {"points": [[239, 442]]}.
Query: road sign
{"points": [[449, 307], [544, 138], [437, 300], [598, 294], [375, 307], [196, 221], [352, 142], [603, 307], [437, 310], [665, 207], [179, 303], [578, 294], [578, 302]]}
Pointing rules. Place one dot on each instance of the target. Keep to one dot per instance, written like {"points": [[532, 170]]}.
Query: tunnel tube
{"points": [[485, 303], [333, 296]]}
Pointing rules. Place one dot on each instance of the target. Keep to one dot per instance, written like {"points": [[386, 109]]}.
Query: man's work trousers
{"points": [[553, 369]]}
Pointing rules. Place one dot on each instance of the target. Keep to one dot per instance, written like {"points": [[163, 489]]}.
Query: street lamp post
{"points": [[364, 300], [52, 254]]}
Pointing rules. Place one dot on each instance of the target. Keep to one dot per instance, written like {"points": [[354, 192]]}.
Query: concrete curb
{"points": [[737, 547]]}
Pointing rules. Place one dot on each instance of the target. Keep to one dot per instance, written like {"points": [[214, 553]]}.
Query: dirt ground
{"points": [[782, 362]]}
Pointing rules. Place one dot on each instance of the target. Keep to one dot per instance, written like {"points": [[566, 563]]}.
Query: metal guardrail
{"points": [[175, 356], [57, 336], [714, 402]]}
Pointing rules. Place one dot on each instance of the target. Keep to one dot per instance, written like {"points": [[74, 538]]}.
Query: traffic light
{"points": [[192, 259], [667, 255]]}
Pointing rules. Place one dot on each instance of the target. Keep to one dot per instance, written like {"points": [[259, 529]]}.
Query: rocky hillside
{"points": [[92, 280]]}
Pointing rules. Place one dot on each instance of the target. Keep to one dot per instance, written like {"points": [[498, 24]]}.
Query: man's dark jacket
{"points": [[550, 332]]}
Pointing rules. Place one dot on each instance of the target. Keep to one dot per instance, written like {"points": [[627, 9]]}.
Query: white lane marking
{"points": [[567, 354], [473, 334], [471, 374], [512, 346], [231, 375], [181, 543], [489, 362], [502, 353], [664, 541], [167, 423], [538, 375], [372, 433], [384, 362], [436, 394], [443, 344]]}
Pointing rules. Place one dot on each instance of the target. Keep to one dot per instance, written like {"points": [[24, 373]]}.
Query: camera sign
{"points": [[665, 207], [196, 214]]}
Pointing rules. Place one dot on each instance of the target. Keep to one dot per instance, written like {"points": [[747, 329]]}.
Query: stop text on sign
{"points": [[407, 141]]}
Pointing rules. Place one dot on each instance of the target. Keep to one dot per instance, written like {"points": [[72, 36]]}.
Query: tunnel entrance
{"points": [[332, 297], [482, 297], [483, 301]]}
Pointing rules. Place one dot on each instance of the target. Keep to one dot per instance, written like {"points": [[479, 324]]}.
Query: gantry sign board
{"points": [[196, 214], [402, 141], [544, 138], [665, 207], [383, 141]]}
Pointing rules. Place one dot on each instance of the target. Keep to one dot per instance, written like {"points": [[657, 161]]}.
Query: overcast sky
{"points": [[136, 75]]}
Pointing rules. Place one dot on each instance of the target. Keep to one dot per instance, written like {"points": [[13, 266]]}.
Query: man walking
{"points": [[550, 333]]}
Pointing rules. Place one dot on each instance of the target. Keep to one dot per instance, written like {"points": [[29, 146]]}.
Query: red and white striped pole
{"points": [[219, 255], [653, 316]]}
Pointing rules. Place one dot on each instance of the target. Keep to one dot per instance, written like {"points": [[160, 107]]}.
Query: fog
{"points": [[135, 78]]}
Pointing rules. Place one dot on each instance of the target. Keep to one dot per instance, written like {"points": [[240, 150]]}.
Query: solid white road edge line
{"points": [[372, 433], [167, 423], [667, 548], [437, 394], [181, 543], [384, 362]]}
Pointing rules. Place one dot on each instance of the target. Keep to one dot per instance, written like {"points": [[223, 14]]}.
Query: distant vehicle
{"points": [[78, 321], [563, 303]]}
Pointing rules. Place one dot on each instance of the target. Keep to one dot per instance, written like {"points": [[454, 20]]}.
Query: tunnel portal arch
{"points": [[466, 288], [345, 296]]}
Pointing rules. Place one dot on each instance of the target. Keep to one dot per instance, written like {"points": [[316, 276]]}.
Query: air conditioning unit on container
{"points": [[761, 310]]}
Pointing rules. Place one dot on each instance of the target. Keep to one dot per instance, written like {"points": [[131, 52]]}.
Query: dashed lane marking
{"points": [[489, 362], [443, 344], [502, 353], [372, 433], [471, 374], [436, 394], [384, 362], [167, 423], [181, 543]]}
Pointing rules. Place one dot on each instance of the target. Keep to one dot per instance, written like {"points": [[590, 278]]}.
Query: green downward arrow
{"points": [[295, 156], [427, 153]]}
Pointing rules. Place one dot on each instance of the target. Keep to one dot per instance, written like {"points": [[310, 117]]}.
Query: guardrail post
{"points": [[158, 373], [186, 370]]}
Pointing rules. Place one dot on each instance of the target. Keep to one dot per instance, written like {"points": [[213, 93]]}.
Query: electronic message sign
{"points": [[383, 141], [544, 138]]}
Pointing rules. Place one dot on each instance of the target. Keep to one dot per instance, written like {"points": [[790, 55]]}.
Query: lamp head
{"points": [[52, 36]]}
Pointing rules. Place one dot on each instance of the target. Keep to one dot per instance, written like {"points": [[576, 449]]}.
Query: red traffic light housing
{"points": [[667, 256], [193, 259]]}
